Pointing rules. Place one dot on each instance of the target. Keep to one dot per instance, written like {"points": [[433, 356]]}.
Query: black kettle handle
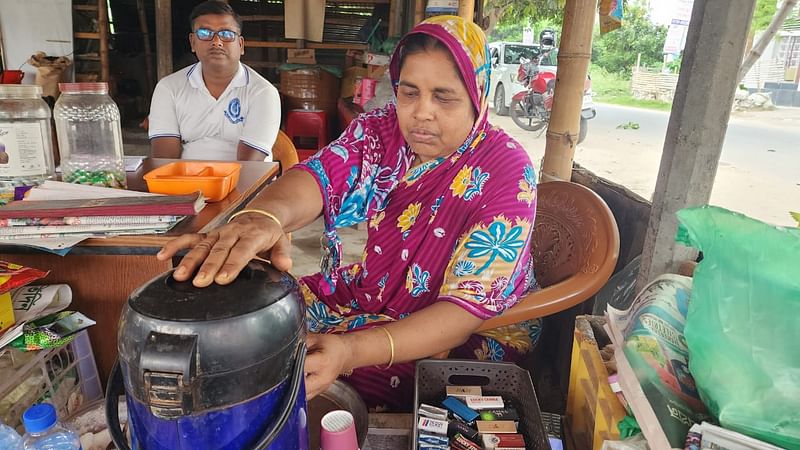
{"points": [[289, 400], [115, 388]]}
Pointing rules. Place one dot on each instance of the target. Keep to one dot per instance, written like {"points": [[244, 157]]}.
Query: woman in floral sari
{"points": [[449, 201]]}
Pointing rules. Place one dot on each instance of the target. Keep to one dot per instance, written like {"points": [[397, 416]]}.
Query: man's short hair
{"points": [[214, 7]]}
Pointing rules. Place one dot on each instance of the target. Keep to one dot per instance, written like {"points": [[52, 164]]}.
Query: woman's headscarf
{"points": [[467, 44]]}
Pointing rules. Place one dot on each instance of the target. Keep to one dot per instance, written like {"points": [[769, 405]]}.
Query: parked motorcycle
{"points": [[530, 109]]}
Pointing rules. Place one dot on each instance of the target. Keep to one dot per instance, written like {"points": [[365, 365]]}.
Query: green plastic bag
{"points": [[743, 323]]}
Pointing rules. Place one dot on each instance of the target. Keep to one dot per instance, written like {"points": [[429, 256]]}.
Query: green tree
{"points": [[511, 30], [616, 52], [512, 12], [763, 14]]}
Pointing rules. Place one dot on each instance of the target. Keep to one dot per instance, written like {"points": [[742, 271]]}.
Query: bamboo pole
{"points": [[573, 64], [148, 51], [164, 37], [419, 11], [102, 24], [466, 9]]}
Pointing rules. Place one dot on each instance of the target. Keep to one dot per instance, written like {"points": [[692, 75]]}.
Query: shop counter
{"points": [[103, 272]]}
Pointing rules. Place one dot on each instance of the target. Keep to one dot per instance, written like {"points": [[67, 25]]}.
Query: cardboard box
{"points": [[347, 88], [376, 72], [301, 56], [376, 59]]}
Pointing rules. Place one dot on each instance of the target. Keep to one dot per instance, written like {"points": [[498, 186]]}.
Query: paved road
{"points": [[762, 148], [759, 172]]}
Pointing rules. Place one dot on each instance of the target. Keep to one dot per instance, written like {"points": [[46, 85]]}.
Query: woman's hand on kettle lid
{"points": [[224, 252]]}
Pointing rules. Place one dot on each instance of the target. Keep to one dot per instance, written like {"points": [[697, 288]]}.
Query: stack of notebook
{"points": [[63, 214]]}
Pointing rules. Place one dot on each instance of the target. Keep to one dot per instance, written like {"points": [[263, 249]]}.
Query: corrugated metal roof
{"points": [[792, 23]]}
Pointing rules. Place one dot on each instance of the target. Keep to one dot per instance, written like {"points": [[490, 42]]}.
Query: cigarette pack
{"points": [[456, 427], [458, 408], [434, 426], [500, 414], [433, 439], [485, 402], [462, 443], [432, 412], [461, 392], [496, 427], [503, 442]]}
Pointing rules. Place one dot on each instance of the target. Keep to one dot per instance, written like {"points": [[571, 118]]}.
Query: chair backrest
{"points": [[575, 232], [283, 151], [575, 246]]}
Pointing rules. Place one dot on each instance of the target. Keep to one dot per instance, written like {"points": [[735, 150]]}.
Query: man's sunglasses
{"points": [[204, 34]]}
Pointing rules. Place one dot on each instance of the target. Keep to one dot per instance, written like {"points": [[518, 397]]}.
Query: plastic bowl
{"points": [[215, 179]]}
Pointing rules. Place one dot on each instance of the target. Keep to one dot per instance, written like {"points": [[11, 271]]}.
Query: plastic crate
{"points": [[511, 382], [66, 377]]}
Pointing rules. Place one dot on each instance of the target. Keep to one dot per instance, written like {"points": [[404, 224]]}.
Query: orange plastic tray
{"points": [[215, 179]]}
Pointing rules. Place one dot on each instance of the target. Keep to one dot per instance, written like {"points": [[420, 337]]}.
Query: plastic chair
{"points": [[575, 248], [306, 126], [283, 151]]}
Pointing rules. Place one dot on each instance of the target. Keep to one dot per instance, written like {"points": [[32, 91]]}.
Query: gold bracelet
{"points": [[391, 348], [257, 211]]}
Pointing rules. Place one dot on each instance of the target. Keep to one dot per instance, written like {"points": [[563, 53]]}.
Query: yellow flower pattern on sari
{"points": [[376, 220], [461, 181], [409, 217], [513, 336]]}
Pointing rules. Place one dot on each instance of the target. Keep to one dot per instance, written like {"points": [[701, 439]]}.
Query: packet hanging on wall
{"points": [[13, 276]]}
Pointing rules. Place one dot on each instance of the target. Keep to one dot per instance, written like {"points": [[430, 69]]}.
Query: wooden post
{"points": [[164, 37], [419, 11], [102, 29], [466, 9], [396, 17], [148, 51], [573, 64], [700, 112]]}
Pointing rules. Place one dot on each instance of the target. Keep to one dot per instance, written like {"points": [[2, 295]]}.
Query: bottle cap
{"points": [[83, 88], [20, 91], [39, 417]]}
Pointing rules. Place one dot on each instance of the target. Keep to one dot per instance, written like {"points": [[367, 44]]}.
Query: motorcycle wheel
{"points": [[523, 119]]}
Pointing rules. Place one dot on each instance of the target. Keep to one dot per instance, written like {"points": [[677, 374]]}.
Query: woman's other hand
{"points": [[328, 357], [223, 253]]}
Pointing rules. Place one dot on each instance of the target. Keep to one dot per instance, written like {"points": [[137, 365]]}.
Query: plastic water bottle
{"points": [[9, 439], [44, 432]]}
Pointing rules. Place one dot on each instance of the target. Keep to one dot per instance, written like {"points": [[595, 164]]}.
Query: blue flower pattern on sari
{"points": [[476, 184], [320, 318], [417, 281], [496, 242], [496, 351], [435, 208], [463, 268]]}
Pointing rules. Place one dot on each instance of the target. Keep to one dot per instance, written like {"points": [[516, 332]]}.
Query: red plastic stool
{"points": [[308, 130]]}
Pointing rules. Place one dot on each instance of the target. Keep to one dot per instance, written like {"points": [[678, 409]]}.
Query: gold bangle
{"points": [[391, 348], [256, 211]]}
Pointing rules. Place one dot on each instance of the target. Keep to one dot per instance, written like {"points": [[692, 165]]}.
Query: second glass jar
{"points": [[89, 135]]}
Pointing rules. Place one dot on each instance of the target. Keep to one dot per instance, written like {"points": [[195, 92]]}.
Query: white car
{"points": [[504, 85]]}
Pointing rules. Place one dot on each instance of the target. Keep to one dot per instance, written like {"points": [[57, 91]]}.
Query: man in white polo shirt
{"points": [[217, 108]]}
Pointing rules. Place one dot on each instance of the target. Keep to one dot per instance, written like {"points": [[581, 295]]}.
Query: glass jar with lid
{"points": [[89, 135], [26, 146]]}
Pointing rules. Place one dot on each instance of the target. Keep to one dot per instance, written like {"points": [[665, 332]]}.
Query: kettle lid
{"points": [[258, 286]]}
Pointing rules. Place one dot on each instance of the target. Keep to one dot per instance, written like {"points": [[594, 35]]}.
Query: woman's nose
{"points": [[424, 109]]}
